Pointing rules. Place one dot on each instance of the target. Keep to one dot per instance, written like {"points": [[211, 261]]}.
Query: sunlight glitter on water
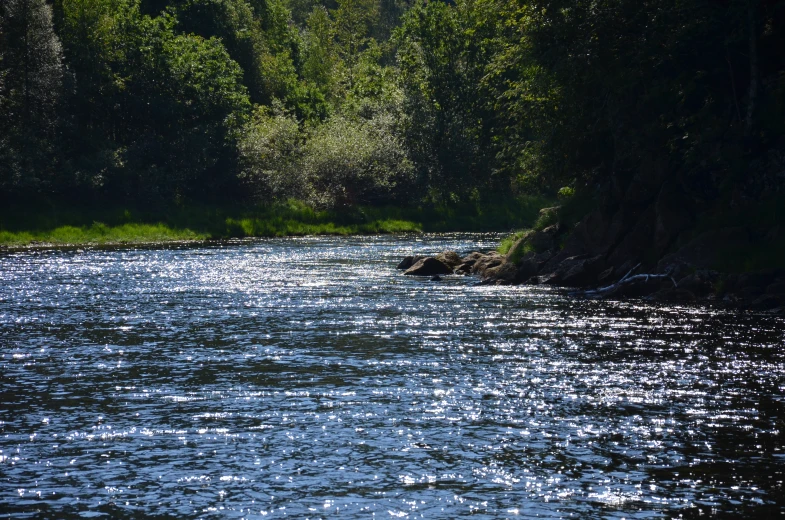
{"points": [[308, 378]]}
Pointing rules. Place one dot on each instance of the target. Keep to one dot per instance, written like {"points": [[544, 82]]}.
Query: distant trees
{"points": [[357, 101], [155, 112], [31, 85], [539, 93]]}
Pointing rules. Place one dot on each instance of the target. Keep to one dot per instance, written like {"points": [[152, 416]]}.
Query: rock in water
{"points": [[449, 258], [428, 267], [409, 261]]}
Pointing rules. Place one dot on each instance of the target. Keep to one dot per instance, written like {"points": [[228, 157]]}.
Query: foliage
{"points": [[348, 102], [156, 112], [566, 193], [351, 161], [321, 62], [31, 82], [269, 149]]}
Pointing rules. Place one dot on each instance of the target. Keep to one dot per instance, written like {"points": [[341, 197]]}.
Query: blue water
{"points": [[307, 378]]}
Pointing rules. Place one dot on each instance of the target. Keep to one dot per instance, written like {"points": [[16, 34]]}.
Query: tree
{"points": [[159, 112], [259, 40], [352, 161], [442, 58], [353, 20], [31, 80], [269, 150], [320, 54]]}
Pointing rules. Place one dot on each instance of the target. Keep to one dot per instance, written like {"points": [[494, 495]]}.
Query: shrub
{"points": [[351, 161], [269, 150], [566, 193]]}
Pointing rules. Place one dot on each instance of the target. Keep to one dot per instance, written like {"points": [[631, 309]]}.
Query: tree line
{"points": [[350, 102]]}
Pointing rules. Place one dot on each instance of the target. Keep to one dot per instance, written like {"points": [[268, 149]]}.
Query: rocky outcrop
{"points": [[409, 261], [450, 259], [758, 290], [703, 251], [646, 246], [428, 266]]}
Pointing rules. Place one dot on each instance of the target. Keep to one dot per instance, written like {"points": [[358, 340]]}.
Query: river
{"points": [[307, 378]]}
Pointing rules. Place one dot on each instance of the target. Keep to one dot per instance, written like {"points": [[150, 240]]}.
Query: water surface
{"points": [[307, 378]]}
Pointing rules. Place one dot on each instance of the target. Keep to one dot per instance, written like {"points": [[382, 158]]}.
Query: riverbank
{"points": [[59, 225], [728, 253]]}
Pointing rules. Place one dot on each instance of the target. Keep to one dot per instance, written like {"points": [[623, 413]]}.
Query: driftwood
{"points": [[627, 279]]}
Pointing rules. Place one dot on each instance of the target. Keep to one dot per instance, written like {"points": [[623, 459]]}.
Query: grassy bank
{"points": [[25, 225], [566, 210]]}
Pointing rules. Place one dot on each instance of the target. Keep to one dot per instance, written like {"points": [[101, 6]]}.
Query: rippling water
{"points": [[307, 378]]}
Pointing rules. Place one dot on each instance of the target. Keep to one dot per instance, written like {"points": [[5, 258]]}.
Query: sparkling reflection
{"points": [[306, 378]]}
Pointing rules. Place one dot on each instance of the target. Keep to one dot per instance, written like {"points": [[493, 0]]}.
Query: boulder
{"points": [[464, 268], [486, 262], [750, 292], [594, 235], [761, 279], [467, 262], [698, 283], [582, 272], [428, 267], [472, 257], [450, 258], [767, 301], [776, 288], [527, 268], [531, 264], [409, 261], [541, 241], [505, 273]]}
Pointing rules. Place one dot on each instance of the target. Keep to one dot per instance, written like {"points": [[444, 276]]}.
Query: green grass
{"points": [[570, 209], [99, 234], [60, 225], [510, 240]]}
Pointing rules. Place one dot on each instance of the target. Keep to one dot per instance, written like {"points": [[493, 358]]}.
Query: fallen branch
{"points": [[627, 279]]}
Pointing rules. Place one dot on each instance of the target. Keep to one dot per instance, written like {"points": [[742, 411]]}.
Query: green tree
{"points": [[190, 104], [350, 161], [637, 82], [321, 61], [260, 40], [269, 149], [158, 111], [443, 57], [353, 21], [31, 81]]}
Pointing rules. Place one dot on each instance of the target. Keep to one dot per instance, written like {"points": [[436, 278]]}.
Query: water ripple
{"points": [[306, 378]]}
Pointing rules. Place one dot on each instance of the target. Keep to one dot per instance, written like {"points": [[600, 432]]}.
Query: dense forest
{"points": [[362, 102]]}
